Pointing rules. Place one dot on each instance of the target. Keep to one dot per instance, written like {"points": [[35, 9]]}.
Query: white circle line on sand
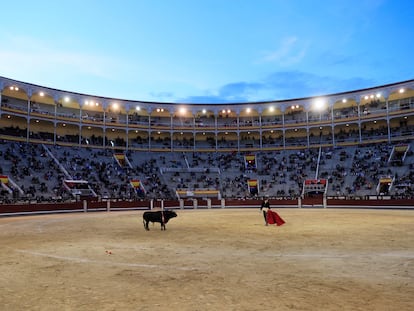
{"points": [[308, 255], [85, 260]]}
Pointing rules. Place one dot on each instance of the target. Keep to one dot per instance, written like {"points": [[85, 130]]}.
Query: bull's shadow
{"points": [[157, 216]]}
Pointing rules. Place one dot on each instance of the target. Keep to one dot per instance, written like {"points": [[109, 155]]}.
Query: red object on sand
{"points": [[274, 218]]}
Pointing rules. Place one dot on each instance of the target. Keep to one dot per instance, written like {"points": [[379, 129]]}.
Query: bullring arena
{"points": [[210, 259], [78, 171]]}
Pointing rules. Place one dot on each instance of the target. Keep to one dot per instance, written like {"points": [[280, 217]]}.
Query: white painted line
{"points": [[85, 260], [395, 255]]}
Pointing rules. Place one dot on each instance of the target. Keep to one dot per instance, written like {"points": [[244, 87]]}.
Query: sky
{"points": [[207, 51]]}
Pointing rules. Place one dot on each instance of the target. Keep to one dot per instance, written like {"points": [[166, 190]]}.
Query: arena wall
{"points": [[85, 206]]}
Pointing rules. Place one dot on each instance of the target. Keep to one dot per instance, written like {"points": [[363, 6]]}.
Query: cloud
{"points": [[331, 58], [289, 52], [42, 63], [281, 85], [237, 92], [297, 84], [28, 59], [207, 99], [163, 96]]}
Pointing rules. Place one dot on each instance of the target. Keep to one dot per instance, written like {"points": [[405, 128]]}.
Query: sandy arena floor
{"points": [[321, 259]]}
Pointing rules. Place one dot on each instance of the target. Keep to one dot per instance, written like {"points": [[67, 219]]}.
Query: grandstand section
{"points": [[358, 142]]}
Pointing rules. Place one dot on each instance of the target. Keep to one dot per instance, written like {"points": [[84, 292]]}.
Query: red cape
{"points": [[274, 218]]}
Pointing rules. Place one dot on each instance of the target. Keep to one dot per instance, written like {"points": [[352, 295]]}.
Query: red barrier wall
{"points": [[78, 206], [391, 203], [40, 207]]}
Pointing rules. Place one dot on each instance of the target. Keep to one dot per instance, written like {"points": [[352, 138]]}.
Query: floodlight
{"points": [[319, 104]]}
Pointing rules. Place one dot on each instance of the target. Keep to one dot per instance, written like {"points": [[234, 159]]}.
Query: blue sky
{"points": [[207, 51]]}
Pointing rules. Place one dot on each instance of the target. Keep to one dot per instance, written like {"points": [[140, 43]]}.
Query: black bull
{"points": [[159, 216]]}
